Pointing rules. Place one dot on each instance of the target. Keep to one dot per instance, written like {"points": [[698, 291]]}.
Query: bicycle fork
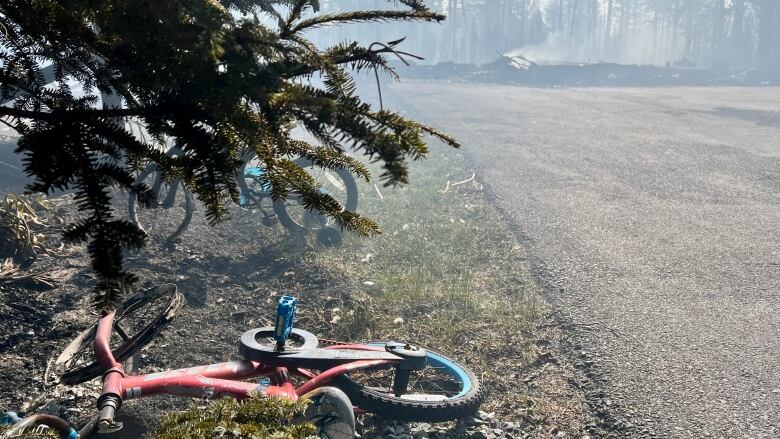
{"points": [[110, 401], [170, 198]]}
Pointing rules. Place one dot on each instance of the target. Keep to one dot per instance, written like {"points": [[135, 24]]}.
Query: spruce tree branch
{"points": [[212, 82], [10, 125], [346, 59], [360, 17], [75, 114]]}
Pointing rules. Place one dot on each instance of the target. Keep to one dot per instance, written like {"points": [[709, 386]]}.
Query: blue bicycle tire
{"points": [[461, 402]]}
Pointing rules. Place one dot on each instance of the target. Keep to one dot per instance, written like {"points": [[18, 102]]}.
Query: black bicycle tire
{"points": [[188, 209], [135, 343], [391, 407], [350, 205]]}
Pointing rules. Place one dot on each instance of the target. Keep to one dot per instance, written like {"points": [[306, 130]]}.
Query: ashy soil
{"points": [[447, 274]]}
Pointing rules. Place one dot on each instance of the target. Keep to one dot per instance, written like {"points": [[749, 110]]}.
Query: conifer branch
{"points": [[214, 82], [71, 114], [361, 17]]}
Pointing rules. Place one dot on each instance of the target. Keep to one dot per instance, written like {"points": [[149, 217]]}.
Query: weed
{"points": [[257, 417]]}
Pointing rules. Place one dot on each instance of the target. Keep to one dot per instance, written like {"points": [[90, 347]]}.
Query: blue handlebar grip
{"points": [[254, 172], [258, 174], [285, 315]]}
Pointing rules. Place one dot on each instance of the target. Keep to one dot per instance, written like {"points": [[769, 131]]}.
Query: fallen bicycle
{"points": [[394, 380]]}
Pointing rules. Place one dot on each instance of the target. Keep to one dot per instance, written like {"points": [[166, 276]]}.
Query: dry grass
{"points": [[446, 274], [20, 226]]}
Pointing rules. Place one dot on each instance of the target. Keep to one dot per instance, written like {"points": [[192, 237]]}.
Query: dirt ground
{"points": [[231, 276]]}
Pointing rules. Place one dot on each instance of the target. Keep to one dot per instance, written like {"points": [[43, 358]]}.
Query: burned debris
{"points": [[519, 70]]}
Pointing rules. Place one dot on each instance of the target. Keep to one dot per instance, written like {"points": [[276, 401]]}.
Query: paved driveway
{"points": [[654, 216]]}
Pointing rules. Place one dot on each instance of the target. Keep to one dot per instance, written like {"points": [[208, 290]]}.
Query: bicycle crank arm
{"points": [[90, 427]]}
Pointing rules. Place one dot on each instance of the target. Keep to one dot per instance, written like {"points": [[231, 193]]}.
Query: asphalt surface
{"points": [[653, 218]]}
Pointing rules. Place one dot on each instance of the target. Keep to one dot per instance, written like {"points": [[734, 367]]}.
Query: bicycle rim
{"points": [[138, 320]]}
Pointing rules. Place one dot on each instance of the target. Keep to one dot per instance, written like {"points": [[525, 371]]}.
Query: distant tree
{"points": [[737, 22], [214, 76], [718, 18], [608, 23], [730, 32]]}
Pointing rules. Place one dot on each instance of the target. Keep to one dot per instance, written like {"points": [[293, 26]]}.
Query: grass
{"points": [[446, 274]]}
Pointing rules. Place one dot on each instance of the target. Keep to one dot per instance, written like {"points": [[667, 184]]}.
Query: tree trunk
{"points": [[766, 19], [737, 37], [560, 15], [624, 14], [719, 14], [593, 27], [523, 18], [654, 46], [608, 26], [451, 34], [688, 52], [776, 54], [573, 26]]}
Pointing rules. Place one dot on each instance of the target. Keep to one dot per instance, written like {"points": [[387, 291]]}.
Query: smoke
{"points": [[554, 49], [641, 47]]}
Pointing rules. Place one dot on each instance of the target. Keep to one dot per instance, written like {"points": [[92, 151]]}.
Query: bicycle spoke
{"points": [[335, 182], [167, 215], [81, 351], [135, 316], [326, 182], [430, 382]]}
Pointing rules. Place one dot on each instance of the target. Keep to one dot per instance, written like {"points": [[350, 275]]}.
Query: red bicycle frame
{"points": [[208, 382]]}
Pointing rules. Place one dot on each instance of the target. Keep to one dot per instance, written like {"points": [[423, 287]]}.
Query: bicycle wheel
{"points": [[170, 213], [443, 391], [338, 183], [138, 320], [331, 413]]}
